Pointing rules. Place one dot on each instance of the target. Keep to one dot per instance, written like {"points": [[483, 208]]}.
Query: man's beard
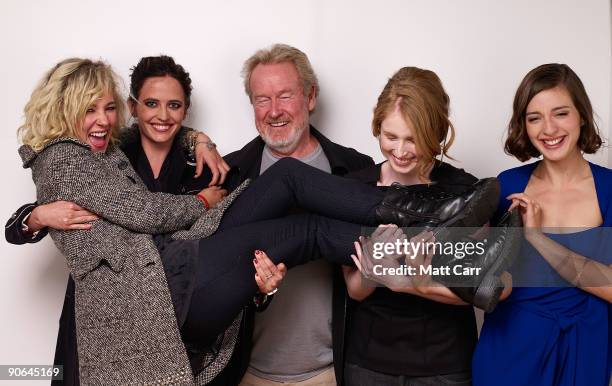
{"points": [[286, 144]]}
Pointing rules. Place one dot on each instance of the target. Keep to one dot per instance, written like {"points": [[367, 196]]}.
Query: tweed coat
{"points": [[126, 327]]}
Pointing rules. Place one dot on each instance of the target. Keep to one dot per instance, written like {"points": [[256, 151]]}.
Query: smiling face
{"points": [[280, 106], [397, 144], [160, 110], [553, 124], [99, 121]]}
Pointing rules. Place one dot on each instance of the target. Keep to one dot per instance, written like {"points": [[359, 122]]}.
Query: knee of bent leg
{"points": [[287, 164]]}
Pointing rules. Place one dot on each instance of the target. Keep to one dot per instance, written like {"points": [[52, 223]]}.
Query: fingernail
{"points": [[255, 261], [258, 252]]}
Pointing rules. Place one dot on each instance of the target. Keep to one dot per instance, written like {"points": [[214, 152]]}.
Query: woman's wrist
{"points": [[199, 138], [203, 200], [33, 221], [533, 234]]}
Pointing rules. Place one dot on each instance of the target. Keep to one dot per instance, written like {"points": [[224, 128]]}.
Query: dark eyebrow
{"points": [[560, 107]]}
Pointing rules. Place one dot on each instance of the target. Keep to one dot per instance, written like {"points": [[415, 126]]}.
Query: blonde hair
{"points": [[281, 53], [60, 100], [420, 97]]}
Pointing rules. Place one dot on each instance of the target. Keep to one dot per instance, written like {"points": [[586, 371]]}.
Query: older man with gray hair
{"points": [[299, 338]]}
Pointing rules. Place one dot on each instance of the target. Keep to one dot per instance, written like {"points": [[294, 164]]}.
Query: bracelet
{"points": [[210, 145], [201, 197]]}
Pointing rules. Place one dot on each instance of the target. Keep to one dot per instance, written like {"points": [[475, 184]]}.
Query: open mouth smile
{"points": [[404, 161], [553, 143], [161, 127]]}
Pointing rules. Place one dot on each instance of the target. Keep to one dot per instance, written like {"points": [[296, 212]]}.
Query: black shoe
{"points": [[440, 206], [484, 287]]}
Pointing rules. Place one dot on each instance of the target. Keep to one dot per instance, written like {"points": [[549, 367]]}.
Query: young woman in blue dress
{"points": [[554, 329]]}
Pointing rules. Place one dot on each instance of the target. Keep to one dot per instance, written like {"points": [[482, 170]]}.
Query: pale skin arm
{"points": [[66, 215], [61, 215], [205, 155], [357, 289], [422, 286], [582, 272]]}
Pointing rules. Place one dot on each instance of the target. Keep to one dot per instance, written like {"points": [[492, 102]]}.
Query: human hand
{"points": [[421, 259], [60, 215], [530, 210], [206, 154], [352, 275], [381, 267], [268, 276], [213, 195]]}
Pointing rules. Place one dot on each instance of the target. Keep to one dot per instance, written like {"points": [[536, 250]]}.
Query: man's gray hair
{"points": [[280, 53]]}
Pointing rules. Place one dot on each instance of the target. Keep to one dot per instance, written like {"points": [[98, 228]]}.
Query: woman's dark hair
{"points": [[542, 78], [162, 65]]}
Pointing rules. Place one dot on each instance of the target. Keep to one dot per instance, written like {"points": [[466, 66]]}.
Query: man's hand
{"points": [[60, 215]]}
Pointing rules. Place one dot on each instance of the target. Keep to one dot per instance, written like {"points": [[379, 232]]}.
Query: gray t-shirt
{"points": [[292, 339]]}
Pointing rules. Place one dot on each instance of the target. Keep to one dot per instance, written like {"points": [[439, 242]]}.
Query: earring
{"points": [[132, 121]]}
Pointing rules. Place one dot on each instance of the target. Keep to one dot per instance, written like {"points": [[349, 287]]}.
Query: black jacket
{"points": [[342, 160]]}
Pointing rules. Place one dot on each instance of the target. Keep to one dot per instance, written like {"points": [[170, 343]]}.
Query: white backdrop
{"points": [[480, 49]]}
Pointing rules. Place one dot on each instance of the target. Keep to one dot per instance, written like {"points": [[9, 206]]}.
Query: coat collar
{"points": [[248, 159], [28, 155]]}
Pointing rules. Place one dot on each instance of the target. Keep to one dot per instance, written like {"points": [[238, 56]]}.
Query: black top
{"points": [[403, 334]]}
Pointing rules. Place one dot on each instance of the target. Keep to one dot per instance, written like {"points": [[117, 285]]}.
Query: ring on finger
{"points": [[275, 290]]}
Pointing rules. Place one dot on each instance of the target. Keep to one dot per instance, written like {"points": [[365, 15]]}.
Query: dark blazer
{"points": [[342, 160]]}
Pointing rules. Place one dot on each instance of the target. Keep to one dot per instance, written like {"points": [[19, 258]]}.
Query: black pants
{"points": [[224, 274], [359, 376]]}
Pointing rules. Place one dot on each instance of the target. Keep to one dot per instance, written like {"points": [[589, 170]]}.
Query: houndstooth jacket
{"points": [[126, 327]]}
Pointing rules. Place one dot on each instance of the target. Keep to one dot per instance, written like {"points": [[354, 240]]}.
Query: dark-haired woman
{"points": [[555, 328]]}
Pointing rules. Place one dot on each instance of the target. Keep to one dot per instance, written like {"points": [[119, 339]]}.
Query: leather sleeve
{"points": [[13, 232]]}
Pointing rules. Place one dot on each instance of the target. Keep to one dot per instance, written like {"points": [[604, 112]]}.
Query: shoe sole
{"points": [[488, 293], [491, 287]]}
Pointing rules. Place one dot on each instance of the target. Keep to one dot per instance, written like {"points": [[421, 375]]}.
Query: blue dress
{"points": [[552, 335]]}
